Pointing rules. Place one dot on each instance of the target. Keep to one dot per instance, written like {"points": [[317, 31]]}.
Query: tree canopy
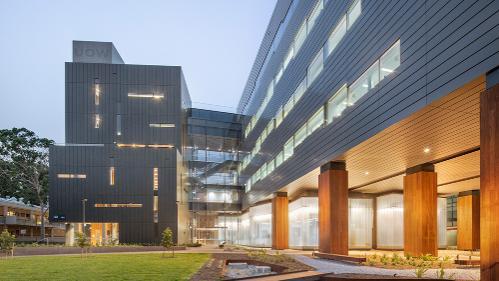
{"points": [[24, 165]]}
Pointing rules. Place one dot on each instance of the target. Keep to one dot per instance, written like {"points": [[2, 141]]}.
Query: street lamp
{"points": [[83, 203]]}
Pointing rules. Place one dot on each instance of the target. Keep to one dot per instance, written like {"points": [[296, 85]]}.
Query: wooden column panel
{"points": [[333, 209], [489, 184], [420, 211], [468, 221], [280, 221]]}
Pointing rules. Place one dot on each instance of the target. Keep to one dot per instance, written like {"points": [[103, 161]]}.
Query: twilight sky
{"points": [[215, 41]]}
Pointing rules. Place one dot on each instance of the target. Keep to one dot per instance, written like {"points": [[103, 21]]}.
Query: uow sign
{"points": [[92, 52]]}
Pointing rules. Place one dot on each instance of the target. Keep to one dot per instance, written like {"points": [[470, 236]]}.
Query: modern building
{"points": [[120, 169], [24, 221], [372, 124], [363, 125]]}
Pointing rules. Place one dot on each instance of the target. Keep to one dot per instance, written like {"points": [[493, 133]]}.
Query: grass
{"points": [[102, 267]]}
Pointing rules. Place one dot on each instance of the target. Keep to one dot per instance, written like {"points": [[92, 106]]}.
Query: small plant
{"points": [[167, 241], [7, 242], [371, 260], [384, 259], [396, 259], [82, 242], [421, 268]]}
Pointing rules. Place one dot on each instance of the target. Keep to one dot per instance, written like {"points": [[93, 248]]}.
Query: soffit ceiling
{"points": [[446, 127]]}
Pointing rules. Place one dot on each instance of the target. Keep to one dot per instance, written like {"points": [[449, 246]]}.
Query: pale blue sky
{"points": [[215, 41]]}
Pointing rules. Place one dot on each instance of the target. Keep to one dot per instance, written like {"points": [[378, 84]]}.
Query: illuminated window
{"points": [[97, 94], [111, 175], [334, 39], [390, 60], [153, 95], [118, 205], [161, 125], [315, 67], [155, 208], [137, 145], [155, 178], [316, 121], [364, 83], [337, 104], [71, 176], [288, 149], [118, 125], [97, 121]]}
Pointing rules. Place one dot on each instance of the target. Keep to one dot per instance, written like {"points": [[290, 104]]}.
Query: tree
{"points": [[167, 240], [7, 242], [82, 242], [24, 168]]}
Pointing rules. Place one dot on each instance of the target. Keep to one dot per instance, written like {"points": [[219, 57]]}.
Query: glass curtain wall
{"points": [[304, 223], [261, 225], [390, 221], [360, 223], [442, 222]]}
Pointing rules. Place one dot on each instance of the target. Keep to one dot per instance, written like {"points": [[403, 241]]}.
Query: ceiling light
{"points": [[366, 173], [426, 150]]}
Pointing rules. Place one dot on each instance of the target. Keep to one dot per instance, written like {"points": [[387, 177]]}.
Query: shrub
{"points": [[7, 242], [167, 240], [82, 242]]}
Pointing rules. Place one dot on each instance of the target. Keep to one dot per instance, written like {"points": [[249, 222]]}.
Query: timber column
{"points": [[333, 209], [468, 220], [280, 221], [420, 210], [489, 183]]}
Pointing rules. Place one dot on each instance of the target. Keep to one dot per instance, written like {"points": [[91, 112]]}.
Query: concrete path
{"points": [[327, 266]]}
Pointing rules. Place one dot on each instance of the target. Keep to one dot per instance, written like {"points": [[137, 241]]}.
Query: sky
{"points": [[215, 42]]}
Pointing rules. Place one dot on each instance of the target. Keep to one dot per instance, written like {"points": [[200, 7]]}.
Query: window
{"points": [[300, 37], [288, 149], [354, 13], [161, 125], [288, 106], [111, 176], [118, 124], [278, 117], [97, 121], [300, 90], [97, 94], [279, 73], [337, 104], [316, 121], [336, 36], [155, 209], [247, 188], [300, 135], [312, 19], [118, 205], [152, 95], [315, 67], [279, 159], [71, 176], [289, 56], [364, 83], [390, 60], [155, 179]]}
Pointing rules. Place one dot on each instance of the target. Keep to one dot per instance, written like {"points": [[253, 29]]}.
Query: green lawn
{"points": [[102, 267]]}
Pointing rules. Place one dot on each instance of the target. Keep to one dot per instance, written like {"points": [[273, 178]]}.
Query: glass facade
{"points": [[360, 223], [304, 223], [390, 221]]}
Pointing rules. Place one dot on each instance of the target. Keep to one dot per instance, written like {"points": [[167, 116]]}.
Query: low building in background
{"points": [[24, 221]]}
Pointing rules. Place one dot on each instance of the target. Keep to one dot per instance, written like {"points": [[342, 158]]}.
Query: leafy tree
{"points": [[82, 242], [167, 240], [7, 242], [24, 168]]}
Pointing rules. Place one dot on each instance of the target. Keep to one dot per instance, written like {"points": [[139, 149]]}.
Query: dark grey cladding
{"points": [[444, 45], [92, 151]]}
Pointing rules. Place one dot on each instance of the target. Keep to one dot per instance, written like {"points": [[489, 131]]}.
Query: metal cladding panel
{"points": [[92, 151], [444, 45]]}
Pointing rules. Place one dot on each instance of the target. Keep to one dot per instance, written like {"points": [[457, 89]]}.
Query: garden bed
{"points": [[351, 276], [214, 268]]}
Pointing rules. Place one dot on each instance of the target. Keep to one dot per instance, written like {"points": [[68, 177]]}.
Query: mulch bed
{"points": [[212, 270], [351, 276], [30, 251]]}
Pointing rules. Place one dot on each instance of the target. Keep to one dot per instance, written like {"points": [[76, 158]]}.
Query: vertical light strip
{"points": [[97, 94], [118, 124], [111, 176], [155, 186], [97, 121], [155, 179]]}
